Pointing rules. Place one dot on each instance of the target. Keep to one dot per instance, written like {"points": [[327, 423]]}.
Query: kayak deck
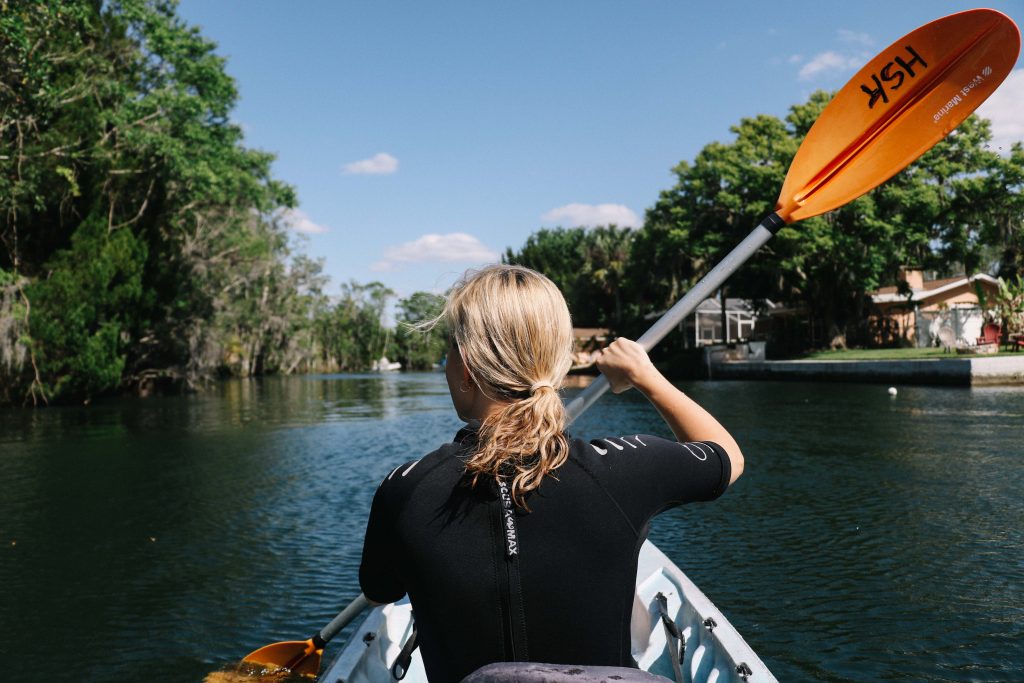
{"points": [[715, 652]]}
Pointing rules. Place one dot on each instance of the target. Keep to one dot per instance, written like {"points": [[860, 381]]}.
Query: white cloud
{"points": [[832, 62], [452, 247], [856, 38], [381, 163], [590, 215], [1003, 108], [299, 221], [828, 62]]}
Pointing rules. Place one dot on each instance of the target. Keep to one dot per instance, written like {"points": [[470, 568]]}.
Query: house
{"points": [[923, 312], [705, 327]]}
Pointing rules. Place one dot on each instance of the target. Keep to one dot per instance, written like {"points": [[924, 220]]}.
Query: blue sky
{"points": [[426, 137]]}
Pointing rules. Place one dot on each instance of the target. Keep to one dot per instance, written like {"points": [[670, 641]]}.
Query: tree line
{"points": [[141, 242], [958, 209]]}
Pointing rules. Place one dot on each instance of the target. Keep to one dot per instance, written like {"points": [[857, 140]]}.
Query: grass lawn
{"points": [[893, 354]]}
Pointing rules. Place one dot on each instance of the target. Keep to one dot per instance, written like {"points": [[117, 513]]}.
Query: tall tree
{"points": [[714, 203], [606, 251], [420, 349], [558, 253], [129, 205], [588, 265], [351, 332]]}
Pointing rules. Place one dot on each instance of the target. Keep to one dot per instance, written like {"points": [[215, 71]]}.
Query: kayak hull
{"points": [[715, 652]]}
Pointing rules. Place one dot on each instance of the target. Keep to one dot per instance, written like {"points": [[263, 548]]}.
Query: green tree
{"points": [[95, 285], [138, 233], [606, 251], [715, 202], [1008, 304], [420, 349], [589, 266], [558, 254], [1001, 198], [351, 332]]}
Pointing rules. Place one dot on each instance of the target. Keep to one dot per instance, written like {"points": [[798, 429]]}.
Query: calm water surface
{"points": [[870, 538]]}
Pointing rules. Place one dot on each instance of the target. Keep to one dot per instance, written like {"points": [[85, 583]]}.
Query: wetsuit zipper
{"points": [[513, 580]]}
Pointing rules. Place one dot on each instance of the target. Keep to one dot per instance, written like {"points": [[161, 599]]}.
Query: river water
{"points": [[871, 538]]}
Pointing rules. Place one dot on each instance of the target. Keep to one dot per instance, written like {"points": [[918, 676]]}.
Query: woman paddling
{"points": [[516, 542]]}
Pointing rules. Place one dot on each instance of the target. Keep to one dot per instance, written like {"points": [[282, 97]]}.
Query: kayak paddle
{"points": [[302, 657], [913, 94], [891, 112]]}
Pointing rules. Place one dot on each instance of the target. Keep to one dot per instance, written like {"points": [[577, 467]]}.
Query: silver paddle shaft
{"points": [[354, 609], [675, 315]]}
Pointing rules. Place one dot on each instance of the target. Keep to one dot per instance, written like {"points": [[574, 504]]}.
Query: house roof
{"points": [[959, 279], [931, 288]]}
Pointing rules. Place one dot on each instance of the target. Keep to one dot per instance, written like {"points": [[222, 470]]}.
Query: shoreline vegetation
{"points": [[897, 354], [144, 247]]}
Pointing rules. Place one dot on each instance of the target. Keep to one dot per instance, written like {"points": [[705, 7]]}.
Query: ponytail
{"points": [[512, 328], [522, 442]]}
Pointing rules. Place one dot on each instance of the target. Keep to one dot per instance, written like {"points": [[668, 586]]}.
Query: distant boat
{"points": [[384, 365]]}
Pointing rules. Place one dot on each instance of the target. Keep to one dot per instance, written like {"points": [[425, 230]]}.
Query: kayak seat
{"points": [[532, 672]]}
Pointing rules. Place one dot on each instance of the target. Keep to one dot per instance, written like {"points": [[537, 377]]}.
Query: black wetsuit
{"points": [[448, 546]]}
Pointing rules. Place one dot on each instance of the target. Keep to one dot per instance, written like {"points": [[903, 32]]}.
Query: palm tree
{"points": [[606, 252]]}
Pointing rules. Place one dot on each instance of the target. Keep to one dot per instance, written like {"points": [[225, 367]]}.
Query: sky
{"points": [[425, 138]]}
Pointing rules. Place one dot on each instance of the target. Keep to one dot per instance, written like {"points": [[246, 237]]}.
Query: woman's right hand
{"points": [[625, 364]]}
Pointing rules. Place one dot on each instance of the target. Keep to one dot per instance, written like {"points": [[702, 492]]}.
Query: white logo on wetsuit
{"points": [[701, 455], [509, 515]]}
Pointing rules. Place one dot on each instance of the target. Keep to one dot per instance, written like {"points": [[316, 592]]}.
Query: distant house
{"points": [[932, 312], [705, 326]]}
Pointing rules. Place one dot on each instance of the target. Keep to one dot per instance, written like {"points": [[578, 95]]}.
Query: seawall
{"points": [[1002, 370]]}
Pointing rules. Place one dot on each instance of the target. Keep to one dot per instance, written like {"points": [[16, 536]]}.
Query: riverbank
{"points": [[959, 371]]}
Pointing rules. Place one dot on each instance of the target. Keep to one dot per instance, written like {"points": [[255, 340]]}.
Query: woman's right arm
{"points": [[625, 364]]}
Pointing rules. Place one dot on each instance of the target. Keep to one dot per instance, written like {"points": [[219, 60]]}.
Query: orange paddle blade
{"points": [[300, 657], [901, 103]]}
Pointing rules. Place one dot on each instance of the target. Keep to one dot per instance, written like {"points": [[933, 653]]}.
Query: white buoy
{"points": [[892, 391]]}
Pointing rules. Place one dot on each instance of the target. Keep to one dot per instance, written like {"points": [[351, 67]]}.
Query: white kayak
{"points": [[714, 651]]}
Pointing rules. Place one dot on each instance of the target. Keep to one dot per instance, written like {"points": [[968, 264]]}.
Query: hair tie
{"points": [[540, 385]]}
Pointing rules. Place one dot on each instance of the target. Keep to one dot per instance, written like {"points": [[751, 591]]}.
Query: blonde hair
{"points": [[512, 327]]}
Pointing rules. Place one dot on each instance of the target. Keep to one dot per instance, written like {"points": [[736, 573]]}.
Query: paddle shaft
{"points": [[354, 609], [682, 308]]}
